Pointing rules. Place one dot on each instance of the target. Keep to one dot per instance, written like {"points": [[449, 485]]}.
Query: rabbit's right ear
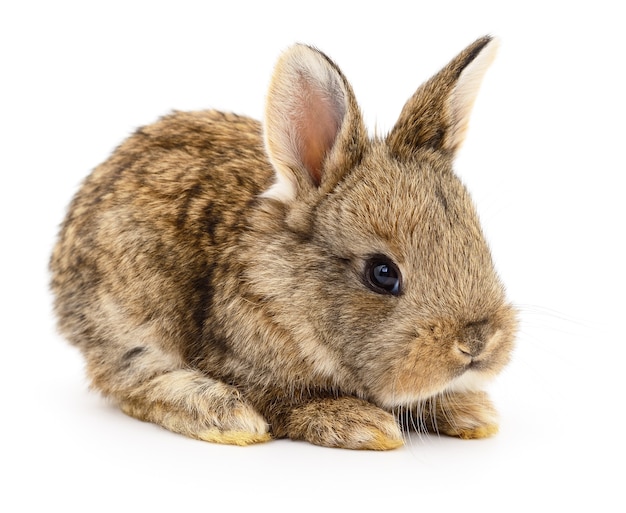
{"points": [[314, 131]]}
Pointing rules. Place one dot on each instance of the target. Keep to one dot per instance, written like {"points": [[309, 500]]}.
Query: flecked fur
{"points": [[213, 270]]}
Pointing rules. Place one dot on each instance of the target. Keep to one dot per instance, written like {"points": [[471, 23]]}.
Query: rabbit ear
{"points": [[437, 115], [313, 127]]}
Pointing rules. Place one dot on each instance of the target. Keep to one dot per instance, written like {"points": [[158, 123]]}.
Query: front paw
{"points": [[467, 415], [344, 422]]}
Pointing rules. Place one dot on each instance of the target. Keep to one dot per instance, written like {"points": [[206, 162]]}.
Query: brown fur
{"points": [[211, 271]]}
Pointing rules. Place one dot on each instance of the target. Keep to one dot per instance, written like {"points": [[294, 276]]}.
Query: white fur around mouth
{"points": [[469, 381]]}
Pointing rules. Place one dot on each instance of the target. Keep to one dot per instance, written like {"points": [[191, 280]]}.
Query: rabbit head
{"points": [[407, 301]]}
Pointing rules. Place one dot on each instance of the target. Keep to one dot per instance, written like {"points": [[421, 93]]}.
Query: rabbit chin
{"points": [[469, 381]]}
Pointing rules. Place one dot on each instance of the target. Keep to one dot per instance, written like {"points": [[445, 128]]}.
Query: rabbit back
{"points": [[143, 231]]}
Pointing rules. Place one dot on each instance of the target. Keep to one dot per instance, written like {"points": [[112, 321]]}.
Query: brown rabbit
{"points": [[235, 282]]}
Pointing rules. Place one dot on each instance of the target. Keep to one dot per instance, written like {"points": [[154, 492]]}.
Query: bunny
{"points": [[236, 282]]}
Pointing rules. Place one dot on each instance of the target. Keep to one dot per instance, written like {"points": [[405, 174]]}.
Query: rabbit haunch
{"points": [[233, 281]]}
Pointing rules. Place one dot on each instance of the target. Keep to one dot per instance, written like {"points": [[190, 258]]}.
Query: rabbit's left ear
{"points": [[437, 115]]}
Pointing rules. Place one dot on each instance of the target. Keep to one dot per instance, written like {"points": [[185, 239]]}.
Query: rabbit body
{"points": [[235, 282]]}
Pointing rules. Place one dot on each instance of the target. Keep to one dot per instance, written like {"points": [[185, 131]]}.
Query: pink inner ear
{"points": [[318, 124]]}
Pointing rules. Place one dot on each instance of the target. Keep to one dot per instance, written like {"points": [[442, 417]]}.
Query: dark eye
{"points": [[383, 276]]}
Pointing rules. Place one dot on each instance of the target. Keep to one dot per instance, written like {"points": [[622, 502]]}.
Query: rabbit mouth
{"points": [[460, 367], [476, 365]]}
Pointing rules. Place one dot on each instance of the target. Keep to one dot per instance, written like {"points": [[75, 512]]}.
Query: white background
{"points": [[543, 159]]}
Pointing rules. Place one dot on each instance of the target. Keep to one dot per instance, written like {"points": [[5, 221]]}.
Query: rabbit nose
{"points": [[473, 338], [471, 348]]}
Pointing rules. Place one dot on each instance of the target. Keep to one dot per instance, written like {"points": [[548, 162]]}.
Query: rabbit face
{"points": [[410, 294]]}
